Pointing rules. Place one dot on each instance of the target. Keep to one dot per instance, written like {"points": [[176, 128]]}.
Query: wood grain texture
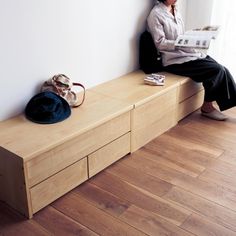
{"points": [[219, 178], [32, 154], [228, 157], [190, 105], [93, 131], [92, 217], [174, 162], [181, 183], [102, 199], [218, 134], [18, 134], [59, 184], [49, 163], [13, 224], [105, 156], [59, 224], [177, 139], [148, 122], [132, 89], [188, 88], [199, 225], [200, 205], [140, 179], [214, 192], [140, 197], [14, 186], [151, 223]]}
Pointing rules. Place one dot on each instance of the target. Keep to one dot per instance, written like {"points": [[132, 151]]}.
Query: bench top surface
{"points": [[132, 89], [27, 139], [103, 102]]}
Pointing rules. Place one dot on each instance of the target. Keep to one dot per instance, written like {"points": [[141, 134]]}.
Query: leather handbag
{"points": [[62, 86]]}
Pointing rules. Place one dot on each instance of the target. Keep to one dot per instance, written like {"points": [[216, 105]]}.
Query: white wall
{"points": [[198, 13], [90, 41], [182, 6]]}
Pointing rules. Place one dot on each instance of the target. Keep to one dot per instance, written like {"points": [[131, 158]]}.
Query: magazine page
{"points": [[207, 31], [198, 38], [193, 41]]}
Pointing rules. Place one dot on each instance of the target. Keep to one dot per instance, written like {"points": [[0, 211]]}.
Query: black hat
{"points": [[47, 108]]}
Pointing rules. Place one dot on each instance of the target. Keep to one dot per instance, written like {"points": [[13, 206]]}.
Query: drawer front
{"points": [[153, 118], [190, 105], [188, 89], [49, 163], [107, 155], [59, 184]]}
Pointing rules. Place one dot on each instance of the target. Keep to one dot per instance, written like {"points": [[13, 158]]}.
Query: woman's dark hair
{"points": [[162, 1]]}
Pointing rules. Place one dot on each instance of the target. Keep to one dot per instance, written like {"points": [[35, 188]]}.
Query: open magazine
{"points": [[198, 38]]}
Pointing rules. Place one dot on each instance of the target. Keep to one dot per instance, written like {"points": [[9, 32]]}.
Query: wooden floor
{"points": [[181, 183]]}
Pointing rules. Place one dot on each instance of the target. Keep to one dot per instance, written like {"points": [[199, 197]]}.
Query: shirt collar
{"points": [[163, 6]]}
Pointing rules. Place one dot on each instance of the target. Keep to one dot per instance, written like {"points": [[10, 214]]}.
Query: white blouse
{"points": [[165, 27]]}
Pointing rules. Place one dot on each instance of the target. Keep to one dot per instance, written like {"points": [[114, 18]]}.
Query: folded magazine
{"points": [[198, 38]]}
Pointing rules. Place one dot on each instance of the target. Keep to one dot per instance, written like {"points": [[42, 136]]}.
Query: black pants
{"points": [[217, 81]]}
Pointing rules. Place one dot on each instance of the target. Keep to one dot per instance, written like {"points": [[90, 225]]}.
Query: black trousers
{"points": [[217, 81]]}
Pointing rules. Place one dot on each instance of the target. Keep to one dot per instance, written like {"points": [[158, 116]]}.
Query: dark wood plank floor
{"points": [[181, 183]]}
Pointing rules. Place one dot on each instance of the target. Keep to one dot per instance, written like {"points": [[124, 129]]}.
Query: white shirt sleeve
{"points": [[157, 31], [165, 28]]}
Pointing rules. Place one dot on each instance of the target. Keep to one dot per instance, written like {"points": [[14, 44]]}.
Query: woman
{"points": [[165, 24]]}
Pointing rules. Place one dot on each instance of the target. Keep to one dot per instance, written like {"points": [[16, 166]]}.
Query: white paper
{"points": [[198, 38]]}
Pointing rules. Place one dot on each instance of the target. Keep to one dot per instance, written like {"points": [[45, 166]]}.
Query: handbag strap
{"points": [[83, 96], [69, 88]]}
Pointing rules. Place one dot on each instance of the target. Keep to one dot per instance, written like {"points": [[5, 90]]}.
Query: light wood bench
{"points": [[156, 108], [40, 163]]}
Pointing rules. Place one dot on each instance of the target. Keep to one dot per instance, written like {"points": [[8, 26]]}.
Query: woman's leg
{"points": [[217, 81], [207, 107]]}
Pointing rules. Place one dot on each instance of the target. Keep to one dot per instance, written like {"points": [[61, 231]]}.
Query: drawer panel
{"points": [[59, 184], [107, 155], [153, 118], [49, 163], [188, 89], [190, 105]]}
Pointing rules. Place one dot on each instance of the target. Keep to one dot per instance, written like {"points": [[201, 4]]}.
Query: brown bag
{"points": [[62, 85]]}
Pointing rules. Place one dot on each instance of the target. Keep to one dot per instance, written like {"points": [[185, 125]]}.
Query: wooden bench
{"points": [[156, 108], [40, 163]]}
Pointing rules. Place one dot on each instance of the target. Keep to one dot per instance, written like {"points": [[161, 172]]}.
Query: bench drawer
{"points": [[190, 105], [153, 118], [58, 158], [59, 184], [188, 89], [107, 155]]}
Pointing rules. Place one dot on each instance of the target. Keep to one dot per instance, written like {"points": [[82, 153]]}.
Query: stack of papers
{"points": [[154, 79]]}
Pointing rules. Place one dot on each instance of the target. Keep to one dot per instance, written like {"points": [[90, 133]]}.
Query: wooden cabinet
{"points": [[40, 163], [191, 96], [154, 106], [62, 182], [108, 154], [153, 118], [56, 159]]}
